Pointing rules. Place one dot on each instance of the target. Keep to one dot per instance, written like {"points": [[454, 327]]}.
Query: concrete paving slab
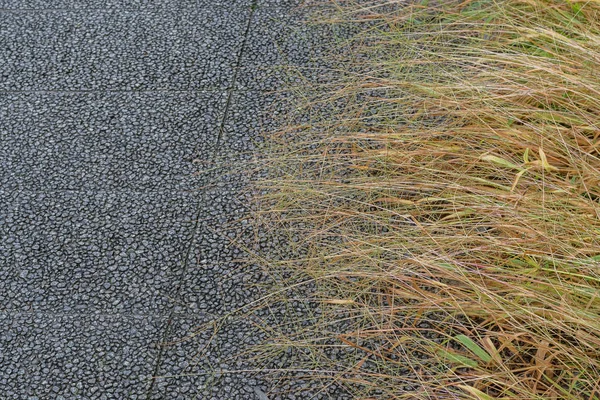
{"points": [[218, 280], [76, 356], [8, 205], [109, 244], [107, 140], [252, 115], [120, 50], [284, 49], [203, 360], [96, 251]]}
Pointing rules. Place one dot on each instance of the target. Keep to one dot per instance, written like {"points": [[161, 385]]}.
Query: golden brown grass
{"points": [[447, 198]]}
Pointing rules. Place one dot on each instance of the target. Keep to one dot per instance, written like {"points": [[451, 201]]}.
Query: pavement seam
{"points": [[104, 9], [198, 225], [208, 90], [190, 91], [216, 6], [12, 313], [236, 71]]}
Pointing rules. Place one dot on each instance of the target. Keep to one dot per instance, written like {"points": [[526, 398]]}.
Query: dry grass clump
{"points": [[449, 207]]}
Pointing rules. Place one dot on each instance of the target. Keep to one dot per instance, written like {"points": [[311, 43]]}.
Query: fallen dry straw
{"points": [[446, 196]]}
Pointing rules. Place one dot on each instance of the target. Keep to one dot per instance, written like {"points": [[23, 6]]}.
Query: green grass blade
{"points": [[474, 348]]}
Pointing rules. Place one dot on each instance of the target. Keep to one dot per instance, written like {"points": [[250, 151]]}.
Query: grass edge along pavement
{"points": [[444, 201]]}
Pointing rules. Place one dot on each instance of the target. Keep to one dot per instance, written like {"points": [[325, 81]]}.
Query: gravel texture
{"points": [[54, 356], [95, 251], [199, 362], [107, 140], [122, 201], [110, 49], [39, 5], [120, 4], [284, 48]]}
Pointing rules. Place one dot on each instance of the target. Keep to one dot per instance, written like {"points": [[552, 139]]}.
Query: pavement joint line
{"points": [[16, 10], [77, 191], [198, 225], [198, 8], [207, 91], [95, 313], [236, 71], [18, 191], [81, 313], [147, 9]]}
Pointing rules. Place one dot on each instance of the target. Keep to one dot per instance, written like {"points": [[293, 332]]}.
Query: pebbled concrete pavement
{"points": [[121, 123]]}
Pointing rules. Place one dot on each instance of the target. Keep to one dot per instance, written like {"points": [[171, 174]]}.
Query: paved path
{"points": [[109, 245]]}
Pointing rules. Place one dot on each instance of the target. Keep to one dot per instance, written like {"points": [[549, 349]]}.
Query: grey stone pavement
{"points": [[121, 123]]}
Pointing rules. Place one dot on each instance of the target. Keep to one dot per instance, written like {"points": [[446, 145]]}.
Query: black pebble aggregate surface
{"points": [[122, 127]]}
